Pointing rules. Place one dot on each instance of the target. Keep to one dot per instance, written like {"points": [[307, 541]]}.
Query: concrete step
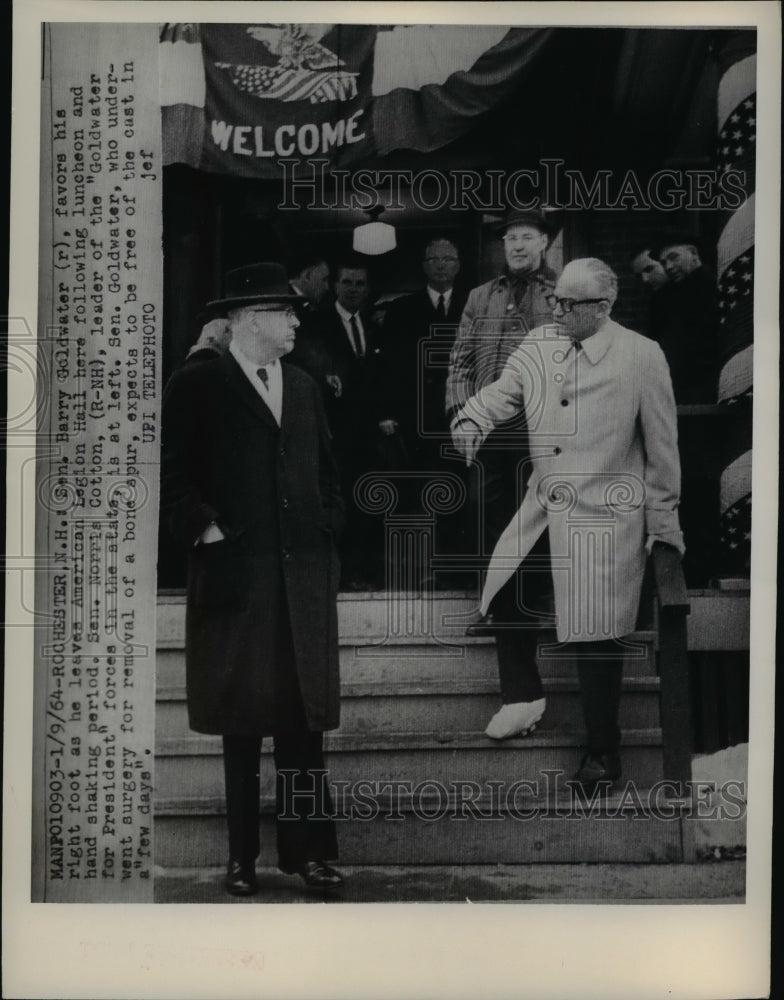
{"points": [[415, 661], [437, 705], [193, 766], [391, 618], [410, 677], [489, 883], [445, 831], [405, 614]]}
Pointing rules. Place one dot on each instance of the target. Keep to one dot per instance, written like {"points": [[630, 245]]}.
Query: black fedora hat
{"points": [[245, 286], [526, 217]]}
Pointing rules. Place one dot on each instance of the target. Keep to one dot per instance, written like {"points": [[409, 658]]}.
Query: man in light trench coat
{"points": [[251, 491], [604, 485]]}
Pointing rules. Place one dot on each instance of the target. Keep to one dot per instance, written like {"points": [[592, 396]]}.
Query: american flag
{"points": [[275, 83], [736, 149], [736, 302], [736, 537], [738, 137]]}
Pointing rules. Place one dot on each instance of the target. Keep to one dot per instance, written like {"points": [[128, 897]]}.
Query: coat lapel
{"points": [[238, 383], [290, 401]]}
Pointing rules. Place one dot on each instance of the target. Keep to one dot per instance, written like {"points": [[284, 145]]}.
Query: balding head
{"points": [[583, 297]]}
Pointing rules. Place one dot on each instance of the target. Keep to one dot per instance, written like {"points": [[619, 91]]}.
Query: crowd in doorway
{"points": [[392, 373]]}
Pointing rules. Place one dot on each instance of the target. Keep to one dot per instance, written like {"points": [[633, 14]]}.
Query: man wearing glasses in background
{"points": [[496, 318], [604, 487], [251, 492]]}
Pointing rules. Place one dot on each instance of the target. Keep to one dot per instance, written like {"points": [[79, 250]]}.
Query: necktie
{"points": [[262, 373], [441, 308], [519, 284], [355, 337]]}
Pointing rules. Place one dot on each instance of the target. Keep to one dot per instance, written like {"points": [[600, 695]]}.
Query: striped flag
{"points": [[736, 150]]}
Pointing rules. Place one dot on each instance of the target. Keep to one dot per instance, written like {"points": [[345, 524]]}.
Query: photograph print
{"points": [[393, 485]]}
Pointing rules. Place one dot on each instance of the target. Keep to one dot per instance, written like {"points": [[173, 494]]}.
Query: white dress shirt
{"points": [[345, 317], [272, 393], [434, 297]]}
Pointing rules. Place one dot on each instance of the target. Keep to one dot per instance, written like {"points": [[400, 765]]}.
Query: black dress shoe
{"points": [[241, 878], [316, 875], [598, 769], [484, 625]]}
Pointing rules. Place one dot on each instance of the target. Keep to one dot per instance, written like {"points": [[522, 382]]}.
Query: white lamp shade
{"points": [[374, 238]]}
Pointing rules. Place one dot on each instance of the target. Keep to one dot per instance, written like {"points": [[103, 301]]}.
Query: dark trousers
{"points": [[600, 671], [518, 606], [303, 804], [526, 599]]}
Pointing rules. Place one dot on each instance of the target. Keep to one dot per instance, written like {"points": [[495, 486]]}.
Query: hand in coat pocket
{"points": [[216, 576]]}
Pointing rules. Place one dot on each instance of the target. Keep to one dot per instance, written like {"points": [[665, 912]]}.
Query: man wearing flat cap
{"points": [[497, 317], [251, 492]]}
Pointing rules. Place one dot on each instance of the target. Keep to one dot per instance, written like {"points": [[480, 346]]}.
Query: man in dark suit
{"points": [[419, 331], [251, 492], [340, 349], [418, 335]]}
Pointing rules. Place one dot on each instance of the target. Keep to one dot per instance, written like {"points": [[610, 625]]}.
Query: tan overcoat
{"points": [[606, 472]]}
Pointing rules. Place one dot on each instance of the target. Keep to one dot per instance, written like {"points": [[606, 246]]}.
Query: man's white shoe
{"points": [[519, 719]]}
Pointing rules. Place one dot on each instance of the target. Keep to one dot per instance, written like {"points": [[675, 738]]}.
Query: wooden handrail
{"points": [[669, 579], [676, 717]]}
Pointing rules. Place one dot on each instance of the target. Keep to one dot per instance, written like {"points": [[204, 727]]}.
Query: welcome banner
{"points": [[239, 98]]}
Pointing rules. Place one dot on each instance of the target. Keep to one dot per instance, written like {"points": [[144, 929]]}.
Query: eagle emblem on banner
{"points": [[305, 69]]}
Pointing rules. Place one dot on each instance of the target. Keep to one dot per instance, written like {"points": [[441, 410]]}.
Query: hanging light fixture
{"points": [[374, 238]]}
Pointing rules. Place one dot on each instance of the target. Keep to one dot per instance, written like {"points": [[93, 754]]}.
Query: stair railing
{"points": [[672, 608]]}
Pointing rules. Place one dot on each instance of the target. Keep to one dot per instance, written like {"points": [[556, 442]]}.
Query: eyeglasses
{"points": [[440, 260], [568, 304]]}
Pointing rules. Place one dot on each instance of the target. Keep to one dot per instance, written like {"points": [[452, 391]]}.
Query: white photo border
{"points": [[432, 950]]}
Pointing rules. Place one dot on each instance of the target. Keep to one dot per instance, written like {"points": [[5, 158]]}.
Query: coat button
{"points": [[564, 402], [556, 451], [284, 502], [286, 554], [282, 451]]}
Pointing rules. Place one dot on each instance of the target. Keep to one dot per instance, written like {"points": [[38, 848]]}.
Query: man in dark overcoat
{"points": [[251, 491]]}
